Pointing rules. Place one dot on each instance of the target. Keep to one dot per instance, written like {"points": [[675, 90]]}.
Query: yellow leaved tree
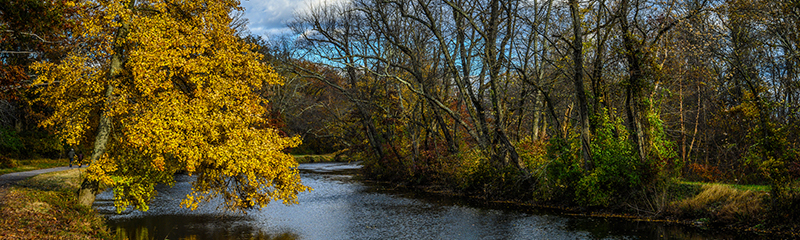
{"points": [[161, 87]]}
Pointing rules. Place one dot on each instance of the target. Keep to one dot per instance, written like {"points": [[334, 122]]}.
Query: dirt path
{"points": [[10, 178]]}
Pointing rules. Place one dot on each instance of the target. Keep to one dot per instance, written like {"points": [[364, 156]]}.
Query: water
{"points": [[343, 208]]}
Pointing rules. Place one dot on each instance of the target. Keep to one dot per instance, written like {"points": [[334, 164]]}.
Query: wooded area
{"points": [[585, 99], [591, 102]]}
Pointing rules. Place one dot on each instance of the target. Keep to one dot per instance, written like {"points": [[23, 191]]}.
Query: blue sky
{"points": [[270, 16]]}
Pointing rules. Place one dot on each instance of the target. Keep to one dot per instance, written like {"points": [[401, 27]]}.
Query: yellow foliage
{"points": [[185, 101]]}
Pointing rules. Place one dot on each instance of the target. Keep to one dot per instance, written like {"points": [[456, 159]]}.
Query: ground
{"points": [[45, 207]]}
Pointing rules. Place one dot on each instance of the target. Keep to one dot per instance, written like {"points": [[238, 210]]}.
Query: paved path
{"points": [[9, 178]]}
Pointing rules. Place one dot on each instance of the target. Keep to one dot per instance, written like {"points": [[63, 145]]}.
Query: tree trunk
{"points": [[89, 189], [580, 94], [537, 116], [633, 55]]}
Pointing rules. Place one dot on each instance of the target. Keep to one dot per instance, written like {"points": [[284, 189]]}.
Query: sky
{"points": [[268, 17]]}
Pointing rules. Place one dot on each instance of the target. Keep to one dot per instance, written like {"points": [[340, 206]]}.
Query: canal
{"points": [[341, 207]]}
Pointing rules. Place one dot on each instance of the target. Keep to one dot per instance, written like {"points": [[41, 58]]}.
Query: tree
{"points": [[167, 87], [580, 95], [30, 31], [303, 106]]}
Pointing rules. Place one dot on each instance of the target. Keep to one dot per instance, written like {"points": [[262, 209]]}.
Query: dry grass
{"points": [[723, 203]]}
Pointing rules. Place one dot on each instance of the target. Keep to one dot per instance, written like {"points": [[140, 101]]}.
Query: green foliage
{"points": [[10, 141], [40, 142], [29, 143], [564, 170], [663, 161], [772, 153], [616, 168]]}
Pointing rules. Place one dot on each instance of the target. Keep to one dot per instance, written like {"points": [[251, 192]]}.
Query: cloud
{"points": [[267, 17]]}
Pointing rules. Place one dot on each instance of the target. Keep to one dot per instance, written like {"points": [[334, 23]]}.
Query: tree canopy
{"points": [[162, 87]]}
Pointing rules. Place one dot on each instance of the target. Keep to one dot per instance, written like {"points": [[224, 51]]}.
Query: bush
{"points": [[29, 143], [40, 142], [10, 141], [616, 169], [7, 162], [564, 170], [481, 176]]}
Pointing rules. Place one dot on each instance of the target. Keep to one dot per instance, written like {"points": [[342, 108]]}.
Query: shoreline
{"points": [[596, 212]]}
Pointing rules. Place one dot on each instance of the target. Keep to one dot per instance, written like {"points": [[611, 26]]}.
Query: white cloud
{"points": [[270, 16]]}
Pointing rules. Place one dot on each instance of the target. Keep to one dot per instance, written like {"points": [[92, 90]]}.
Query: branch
{"points": [[29, 34], [674, 23], [18, 52]]}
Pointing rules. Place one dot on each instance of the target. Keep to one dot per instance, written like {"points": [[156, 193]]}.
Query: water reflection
{"points": [[342, 208], [194, 227]]}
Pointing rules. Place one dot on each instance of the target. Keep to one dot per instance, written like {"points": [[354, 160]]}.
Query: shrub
{"points": [[534, 156], [481, 176], [707, 172], [616, 169], [564, 170], [7, 162], [10, 141], [773, 153], [662, 159], [785, 208], [533, 153], [40, 142]]}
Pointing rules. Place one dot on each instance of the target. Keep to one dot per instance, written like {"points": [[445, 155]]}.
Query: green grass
{"points": [[758, 188], [34, 164]]}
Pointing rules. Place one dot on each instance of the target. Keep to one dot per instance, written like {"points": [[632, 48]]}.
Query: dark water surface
{"points": [[343, 208]]}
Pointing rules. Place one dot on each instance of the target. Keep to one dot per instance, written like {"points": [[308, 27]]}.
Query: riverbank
{"points": [[726, 207], [45, 207]]}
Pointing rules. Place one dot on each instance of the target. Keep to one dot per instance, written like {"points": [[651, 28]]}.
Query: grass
{"points": [[723, 203], [34, 164], [45, 207], [758, 188]]}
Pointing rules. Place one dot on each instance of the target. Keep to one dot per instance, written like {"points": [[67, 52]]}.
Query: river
{"points": [[343, 208]]}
